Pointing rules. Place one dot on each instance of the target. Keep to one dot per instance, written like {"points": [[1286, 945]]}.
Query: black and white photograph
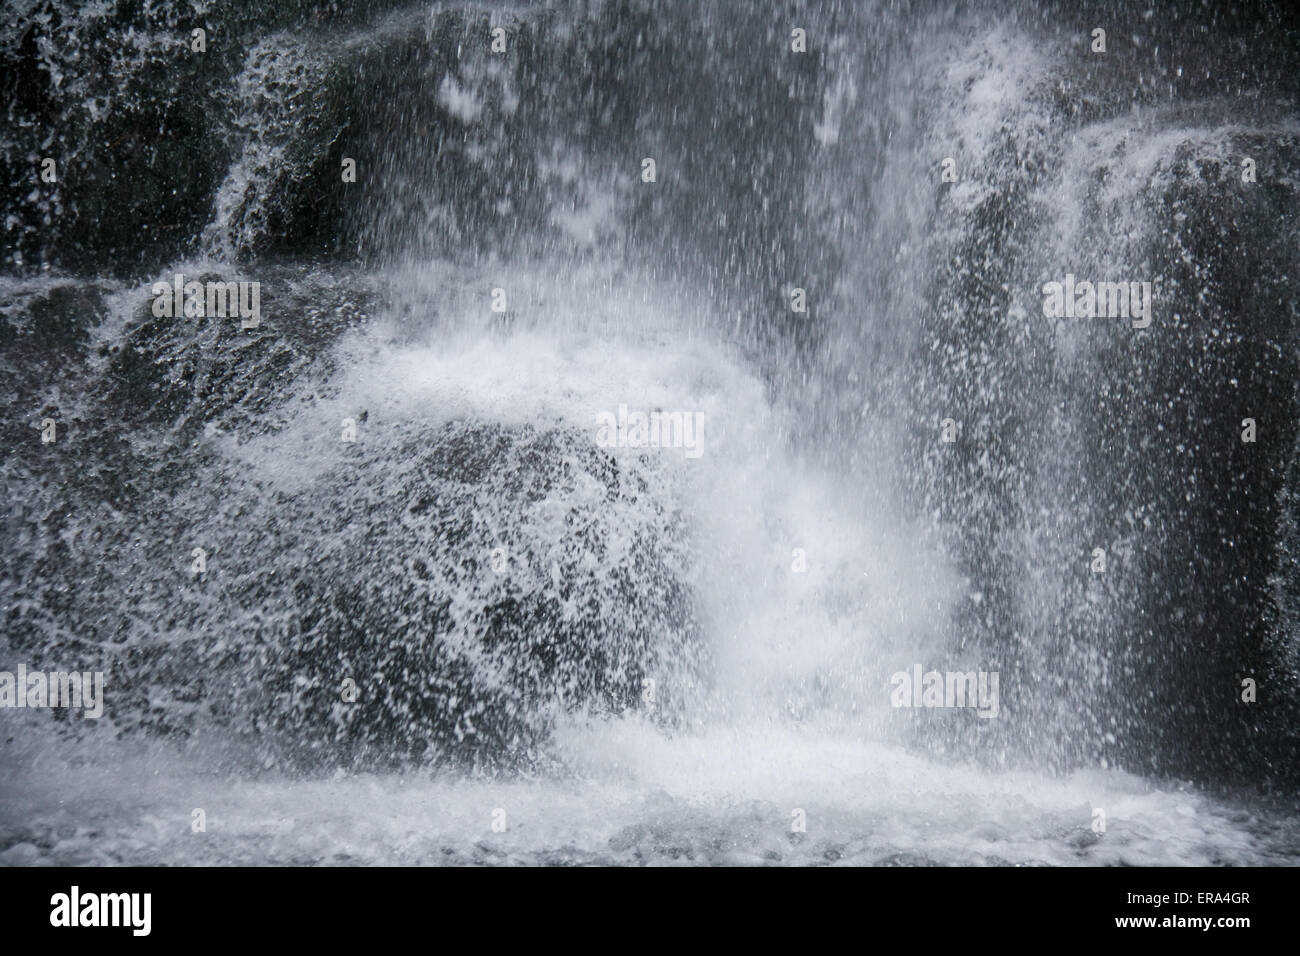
{"points": [[728, 434]]}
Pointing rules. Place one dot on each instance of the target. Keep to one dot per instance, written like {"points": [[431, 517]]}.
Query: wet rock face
{"points": [[437, 591], [1178, 477], [163, 151], [474, 581], [139, 122], [1084, 433], [45, 336], [45, 332], [185, 373]]}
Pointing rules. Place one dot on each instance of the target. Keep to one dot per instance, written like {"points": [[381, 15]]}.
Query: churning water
{"points": [[635, 397]]}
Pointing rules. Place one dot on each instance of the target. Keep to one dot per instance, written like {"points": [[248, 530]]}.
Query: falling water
{"points": [[375, 575]]}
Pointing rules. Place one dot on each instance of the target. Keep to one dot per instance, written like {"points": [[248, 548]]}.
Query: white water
{"points": [[624, 793], [795, 718], [796, 713]]}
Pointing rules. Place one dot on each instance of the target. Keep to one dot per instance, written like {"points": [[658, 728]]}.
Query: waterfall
{"points": [[651, 421]]}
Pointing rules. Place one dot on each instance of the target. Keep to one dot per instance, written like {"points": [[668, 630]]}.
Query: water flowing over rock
{"points": [[375, 528]]}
